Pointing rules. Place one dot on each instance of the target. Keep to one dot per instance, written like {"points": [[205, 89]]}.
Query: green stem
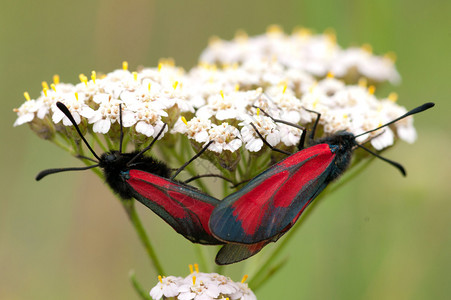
{"points": [[60, 145], [136, 222], [138, 288], [96, 138], [219, 268], [131, 212], [202, 257], [270, 272], [359, 167], [256, 280]]}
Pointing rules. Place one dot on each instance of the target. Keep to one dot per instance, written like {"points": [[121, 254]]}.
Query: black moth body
{"points": [[115, 166]]}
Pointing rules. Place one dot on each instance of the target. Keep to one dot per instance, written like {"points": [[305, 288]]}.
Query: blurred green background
{"points": [[380, 237]]}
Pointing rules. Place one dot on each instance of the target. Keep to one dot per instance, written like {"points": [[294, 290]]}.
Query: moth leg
{"points": [[267, 144], [192, 159], [304, 130], [208, 175], [315, 125]]}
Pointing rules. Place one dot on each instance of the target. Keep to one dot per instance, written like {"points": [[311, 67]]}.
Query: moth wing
{"points": [[184, 208], [271, 201]]}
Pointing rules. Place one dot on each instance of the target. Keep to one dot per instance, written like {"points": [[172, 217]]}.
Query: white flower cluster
{"points": [[146, 97], [315, 54], [211, 103], [201, 286], [353, 108]]}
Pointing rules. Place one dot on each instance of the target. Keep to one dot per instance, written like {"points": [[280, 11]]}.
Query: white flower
{"points": [[76, 106], [89, 89], [106, 114], [275, 72], [225, 137], [165, 74], [377, 68], [265, 126], [406, 133], [330, 86], [167, 286], [404, 127], [45, 104], [336, 120], [243, 293], [26, 112], [146, 116], [223, 107], [383, 140], [313, 54], [289, 135], [291, 109], [201, 286], [198, 288], [49, 97], [196, 129], [118, 81]]}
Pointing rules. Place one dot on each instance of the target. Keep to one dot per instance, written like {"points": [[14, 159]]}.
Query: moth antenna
{"points": [[44, 173], [66, 111], [409, 113], [122, 129], [148, 147], [391, 162]]}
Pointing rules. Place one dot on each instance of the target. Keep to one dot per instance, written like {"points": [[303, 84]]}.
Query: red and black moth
{"points": [[271, 203], [134, 175]]}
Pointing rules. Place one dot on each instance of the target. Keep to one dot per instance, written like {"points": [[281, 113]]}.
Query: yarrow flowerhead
{"points": [[315, 54], [201, 286], [292, 78]]}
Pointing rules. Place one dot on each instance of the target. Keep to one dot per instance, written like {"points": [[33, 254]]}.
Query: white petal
{"points": [[144, 128], [24, 119], [76, 117], [384, 140], [254, 145], [157, 128], [201, 137], [407, 133], [102, 126], [100, 98], [226, 114], [87, 112], [216, 147], [186, 296], [128, 119], [156, 292], [179, 127], [57, 116], [234, 145], [273, 138]]}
